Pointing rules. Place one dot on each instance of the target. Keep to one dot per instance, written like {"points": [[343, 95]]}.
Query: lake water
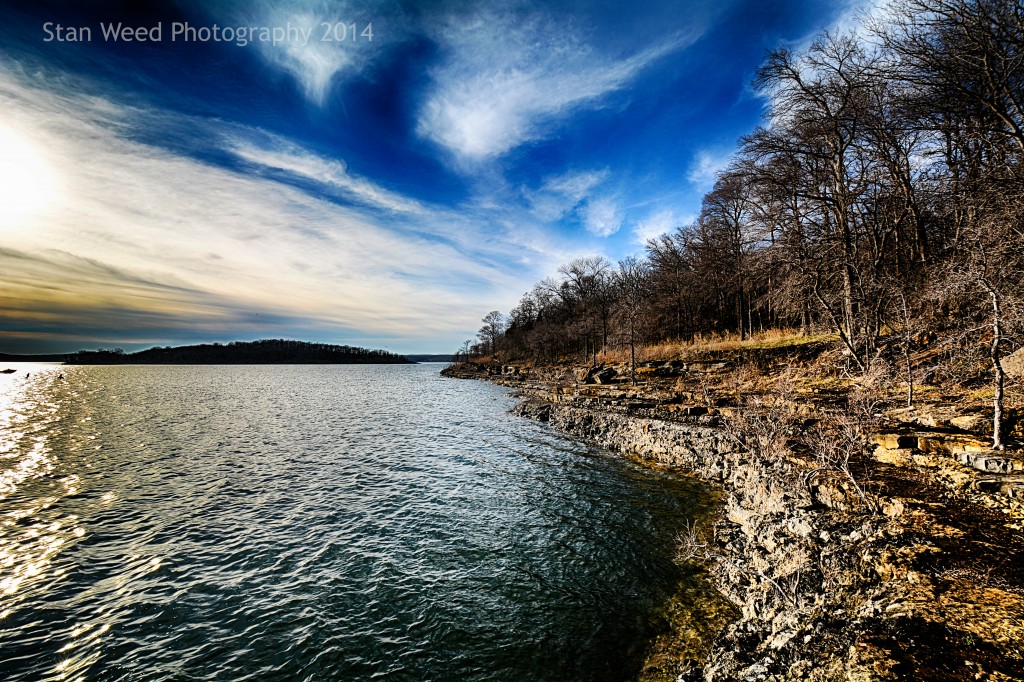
{"points": [[317, 523]]}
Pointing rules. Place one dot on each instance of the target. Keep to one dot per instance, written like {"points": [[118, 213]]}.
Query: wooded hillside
{"points": [[271, 351], [881, 201]]}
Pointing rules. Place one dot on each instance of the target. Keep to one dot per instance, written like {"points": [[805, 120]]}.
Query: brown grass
{"points": [[704, 344]]}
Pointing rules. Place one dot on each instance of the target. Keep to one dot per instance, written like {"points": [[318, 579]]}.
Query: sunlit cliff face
{"points": [[27, 183]]}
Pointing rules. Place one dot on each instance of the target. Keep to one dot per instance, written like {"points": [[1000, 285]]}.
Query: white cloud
{"points": [[313, 64], [576, 185], [214, 246], [854, 17], [505, 79], [560, 195], [602, 217], [329, 172], [657, 224], [314, 60], [706, 166]]}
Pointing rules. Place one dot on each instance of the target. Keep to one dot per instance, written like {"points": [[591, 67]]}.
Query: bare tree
{"points": [[819, 103], [963, 61], [673, 282], [884, 168], [585, 289], [494, 327], [631, 284], [993, 262], [969, 53]]}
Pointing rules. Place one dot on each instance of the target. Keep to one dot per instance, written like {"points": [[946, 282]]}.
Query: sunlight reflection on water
{"points": [[26, 544], [32, 532]]}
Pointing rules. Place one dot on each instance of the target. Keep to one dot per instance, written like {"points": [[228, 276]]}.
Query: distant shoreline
{"points": [[54, 357], [263, 352]]}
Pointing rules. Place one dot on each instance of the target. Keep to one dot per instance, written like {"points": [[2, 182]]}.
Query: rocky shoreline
{"points": [[832, 567]]}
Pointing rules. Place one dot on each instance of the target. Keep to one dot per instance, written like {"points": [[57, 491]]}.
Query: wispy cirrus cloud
{"points": [[506, 79], [853, 17], [164, 241], [657, 224], [706, 165], [580, 194], [313, 65], [559, 195], [283, 155], [602, 217], [320, 47]]}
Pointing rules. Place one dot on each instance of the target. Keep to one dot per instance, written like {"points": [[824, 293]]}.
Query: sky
{"points": [[379, 174]]}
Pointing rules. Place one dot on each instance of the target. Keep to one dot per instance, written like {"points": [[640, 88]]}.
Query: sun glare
{"points": [[27, 184]]}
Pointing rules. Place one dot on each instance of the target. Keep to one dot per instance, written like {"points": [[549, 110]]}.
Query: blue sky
{"points": [[384, 192]]}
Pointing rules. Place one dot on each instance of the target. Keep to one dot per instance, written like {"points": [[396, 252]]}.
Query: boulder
{"points": [[600, 375], [970, 422], [1013, 364]]}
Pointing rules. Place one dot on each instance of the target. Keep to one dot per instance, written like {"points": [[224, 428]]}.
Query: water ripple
{"points": [[316, 523]]}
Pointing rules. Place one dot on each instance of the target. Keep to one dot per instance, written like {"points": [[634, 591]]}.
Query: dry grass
{"points": [[617, 355], [729, 342], [981, 395], [709, 344]]}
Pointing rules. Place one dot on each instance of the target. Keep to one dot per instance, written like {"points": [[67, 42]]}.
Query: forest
{"points": [[266, 352], [881, 201]]}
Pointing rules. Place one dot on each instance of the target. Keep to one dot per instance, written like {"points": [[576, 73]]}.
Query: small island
{"points": [[264, 352]]}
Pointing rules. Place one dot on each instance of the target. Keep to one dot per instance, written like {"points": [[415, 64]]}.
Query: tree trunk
{"points": [[840, 328], [906, 349], [739, 316], [997, 367], [849, 325], [632, 354]]}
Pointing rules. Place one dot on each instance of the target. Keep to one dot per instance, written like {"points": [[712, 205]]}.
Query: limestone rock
{"points": [[597, 375], [970, 422], [1013, 364]]}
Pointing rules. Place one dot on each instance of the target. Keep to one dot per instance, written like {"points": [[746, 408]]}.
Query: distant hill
{"points": [[11, 357], [266, 352], [431, 358]]}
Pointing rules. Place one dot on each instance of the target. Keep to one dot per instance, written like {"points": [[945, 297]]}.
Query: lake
{"points": [[317, 522]]}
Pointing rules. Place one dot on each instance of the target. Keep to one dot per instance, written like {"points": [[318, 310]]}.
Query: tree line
{"points": [[265, 352], [882, 197]]}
